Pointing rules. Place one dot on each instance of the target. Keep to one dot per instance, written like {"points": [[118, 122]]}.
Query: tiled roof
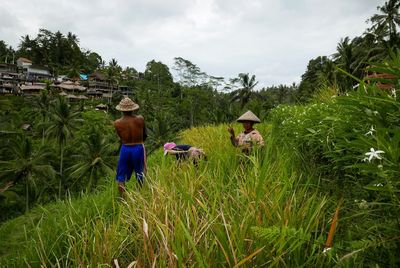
{"points": [[24, 60]]}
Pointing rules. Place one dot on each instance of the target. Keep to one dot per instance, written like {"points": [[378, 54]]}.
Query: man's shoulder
{"points": [[117, 122]]}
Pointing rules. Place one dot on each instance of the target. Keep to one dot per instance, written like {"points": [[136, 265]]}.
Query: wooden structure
{"points": [[99, 86], [32, 89], [383, 81], [10, 78]]}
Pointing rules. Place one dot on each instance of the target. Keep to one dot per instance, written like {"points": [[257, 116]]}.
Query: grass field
{"points": [[263, 210]]}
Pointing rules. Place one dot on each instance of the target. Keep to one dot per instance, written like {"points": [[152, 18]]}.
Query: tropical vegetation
{"points": [[323, 192]]}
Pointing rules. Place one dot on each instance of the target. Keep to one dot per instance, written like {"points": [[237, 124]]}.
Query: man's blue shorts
{"points": [[131, 157]]}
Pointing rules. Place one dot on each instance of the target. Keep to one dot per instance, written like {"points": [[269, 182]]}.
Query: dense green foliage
{"points": [[274, 208], [337, 151], [353, 142], [216, 215], [356, 55]]}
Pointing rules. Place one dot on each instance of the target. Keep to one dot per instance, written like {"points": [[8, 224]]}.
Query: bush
{"points": [[353, 143]]}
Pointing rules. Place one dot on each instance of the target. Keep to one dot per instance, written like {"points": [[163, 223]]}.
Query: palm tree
{"points": [[42, 107], [74, 70], [243, 94], [366, 49], [160, 130], [73, 41], [344, 55], [389, 20], [345, 59], [113, 72], [26, 46], [95, 159], [26, 164], [130, 73], [63, 123]]}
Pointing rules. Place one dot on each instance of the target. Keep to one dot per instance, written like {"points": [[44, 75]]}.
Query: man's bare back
{"points": [[131, 129]]}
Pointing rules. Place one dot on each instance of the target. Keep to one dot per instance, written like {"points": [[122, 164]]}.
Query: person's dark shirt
{"points": [[184, 148]]}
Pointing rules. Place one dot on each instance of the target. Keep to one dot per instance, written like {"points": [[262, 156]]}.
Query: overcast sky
{"points": [[273, 39]]}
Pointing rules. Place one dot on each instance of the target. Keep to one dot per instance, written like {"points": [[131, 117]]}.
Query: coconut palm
{"points": [[345, 59], [73, 41], [74, 70], [247, 84], [113, 74], [389, 20], [161, 130], [344, 55], [367, 49], [63, 122], [42, 108], [26, 164], [94, 160]]}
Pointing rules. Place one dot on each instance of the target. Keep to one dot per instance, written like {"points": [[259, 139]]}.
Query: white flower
{"points": [[363, 204], [393, 93], [374, 154], [145, 228], [376, 112], [326, 250], [378, 185], [370, 132], [380, 166]]}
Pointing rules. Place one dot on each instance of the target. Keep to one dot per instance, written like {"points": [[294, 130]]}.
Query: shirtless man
{"points": [[132, 133]]}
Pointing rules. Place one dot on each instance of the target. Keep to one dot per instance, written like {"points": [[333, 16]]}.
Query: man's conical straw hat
{"points": [[248, 116], [127, 105]]}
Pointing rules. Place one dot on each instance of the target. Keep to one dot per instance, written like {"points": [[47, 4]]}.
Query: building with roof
{"points": [[10, 78], [70, 86], [36, 73], [32, 72], [125, 90], [32, 89], [99, 86], [23, 62]]}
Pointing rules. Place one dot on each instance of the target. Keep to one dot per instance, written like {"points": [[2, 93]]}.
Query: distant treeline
{"points": [[52, 148], [62, 54]]}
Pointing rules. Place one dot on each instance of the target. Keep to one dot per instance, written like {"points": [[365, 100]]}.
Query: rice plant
{"points": [[273, 208]]}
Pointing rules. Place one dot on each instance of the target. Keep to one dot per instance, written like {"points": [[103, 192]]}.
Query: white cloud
{"points": [[273, 39]]}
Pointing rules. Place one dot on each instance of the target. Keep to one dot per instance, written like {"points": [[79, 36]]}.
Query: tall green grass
{"points": [[336, 137], [73, 232], [231, 211]]}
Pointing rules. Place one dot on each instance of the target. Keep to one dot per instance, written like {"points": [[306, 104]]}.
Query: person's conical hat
{"points": [[127, 105], [248, 116]]}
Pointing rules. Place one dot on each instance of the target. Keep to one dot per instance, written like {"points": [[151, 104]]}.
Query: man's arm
{"points": [[234, 140], [144, 133], [116, 152], [144, 128], [176, 151]]}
